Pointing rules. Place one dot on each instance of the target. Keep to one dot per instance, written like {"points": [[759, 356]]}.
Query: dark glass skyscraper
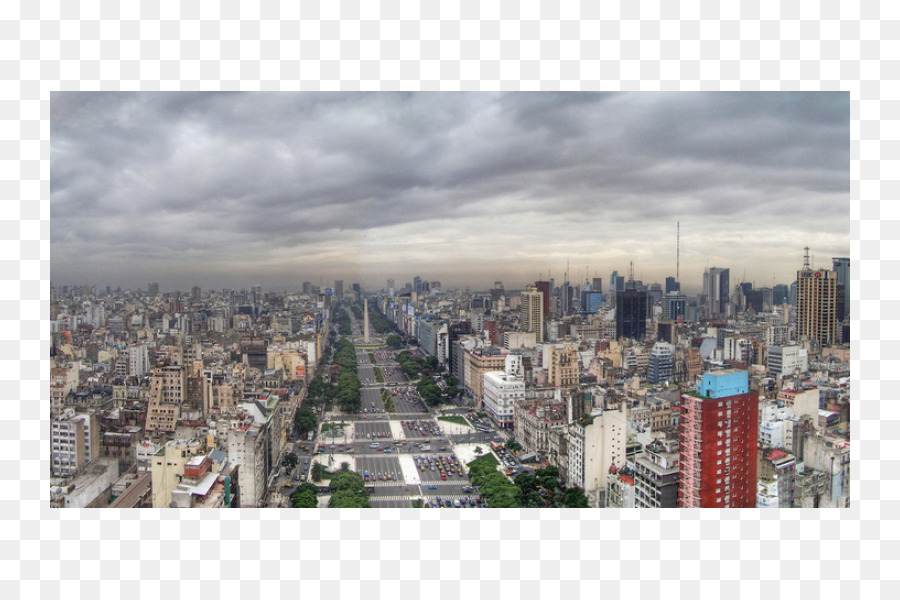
{"points": [[631, 314]]}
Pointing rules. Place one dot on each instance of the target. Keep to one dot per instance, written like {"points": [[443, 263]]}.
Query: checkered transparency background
{"points": [[392, 553]]}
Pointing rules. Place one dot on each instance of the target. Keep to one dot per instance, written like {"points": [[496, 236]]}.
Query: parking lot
{"points": [[375, 430], [440, 467], [381, 468], [421, 428]]}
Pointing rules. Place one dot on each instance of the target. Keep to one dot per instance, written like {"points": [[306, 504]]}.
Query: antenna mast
{"points": [[677, 250], [806, 258]]}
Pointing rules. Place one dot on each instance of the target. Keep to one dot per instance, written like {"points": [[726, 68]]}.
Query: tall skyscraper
{"points": [[544, 288], [841, 266], [339, 288], [597, 284], [417, 284], [533, 311], [390, 284], [718, 433], [307, 287], [153, 289], [672, 285], [631, 314], [195, 293], [780, 294], [717, 289], [817, 304]]}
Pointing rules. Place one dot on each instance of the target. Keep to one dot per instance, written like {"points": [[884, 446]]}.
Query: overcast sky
{"points": [[234, 189]]}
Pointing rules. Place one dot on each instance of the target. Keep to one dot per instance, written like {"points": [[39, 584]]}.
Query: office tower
{"points": [[660, 363], [655, 293], [816, 304], [631, 314], [195, 293], [792, 294], [780, 295], [307, 288], [716, 289], [436, 286], [674, 306], [339, 288], [841, 266], [591, 300], [497, 292], [533, 311], [597, 284], [672, 285], [616, 282], [417, 284], [153, 289], [544, 288], [390, 284], [718, 433]]}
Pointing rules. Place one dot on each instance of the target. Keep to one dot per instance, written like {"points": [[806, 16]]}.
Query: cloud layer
{"points": [[231, 189]]}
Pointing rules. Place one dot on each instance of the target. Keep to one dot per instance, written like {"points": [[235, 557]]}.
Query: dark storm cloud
{"points": [[183, 183]]}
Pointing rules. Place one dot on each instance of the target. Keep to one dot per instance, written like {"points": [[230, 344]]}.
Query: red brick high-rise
{"points": [[718, 442]]}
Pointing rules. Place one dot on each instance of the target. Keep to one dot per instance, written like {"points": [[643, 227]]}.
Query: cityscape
{"points": [[450, 301]]}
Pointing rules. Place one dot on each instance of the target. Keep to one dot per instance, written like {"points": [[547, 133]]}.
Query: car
{"points": [[457, 504], [471, 501], [447, 503], [443, 477], [432, 487]]}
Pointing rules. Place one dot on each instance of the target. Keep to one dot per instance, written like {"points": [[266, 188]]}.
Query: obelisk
{"points": [[366, 320]]}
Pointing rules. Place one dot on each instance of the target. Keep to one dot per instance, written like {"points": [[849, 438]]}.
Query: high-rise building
{"points": [[718, 430], [672, 285], [631, 314], [660, 363], [780, 295], [716, 288], [339, 288], [817, 305], [533, 311], [563, 369], [307, 287], [417, 284], [674, 306], [597, 284], [544, 288], [153, 289], [841, 266], [390, 284]]}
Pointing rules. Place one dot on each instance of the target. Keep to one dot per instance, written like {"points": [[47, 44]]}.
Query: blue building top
{"points": [[722, 384]]}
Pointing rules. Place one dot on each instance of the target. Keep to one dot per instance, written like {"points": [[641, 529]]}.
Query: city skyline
{"points": [[236, 189]]}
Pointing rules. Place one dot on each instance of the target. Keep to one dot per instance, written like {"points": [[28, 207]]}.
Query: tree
{"points": [[345, 466], [575, 498], [290, 461], [304, 496], [513, 446], [316, 387], [316, 474], [394, 341], [451, 380], [304, 419], [477, 450]]}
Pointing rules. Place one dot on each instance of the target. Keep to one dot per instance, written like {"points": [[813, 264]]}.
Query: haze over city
{"points": [[235, 189]]}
